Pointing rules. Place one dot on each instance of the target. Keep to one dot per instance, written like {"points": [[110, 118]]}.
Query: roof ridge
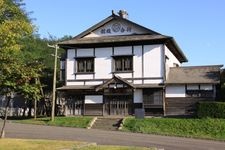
{"points": [[203, 66]]}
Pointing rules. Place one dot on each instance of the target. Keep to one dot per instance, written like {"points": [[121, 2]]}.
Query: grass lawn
{"points": [[78, 122], [24, 144], [196, 128]]}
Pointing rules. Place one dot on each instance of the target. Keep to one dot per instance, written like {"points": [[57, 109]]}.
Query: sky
{"points": [[198, 26]]}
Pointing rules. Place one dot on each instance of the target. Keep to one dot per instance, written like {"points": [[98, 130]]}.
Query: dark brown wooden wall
{"points": [[182, 105], [93, 109]]}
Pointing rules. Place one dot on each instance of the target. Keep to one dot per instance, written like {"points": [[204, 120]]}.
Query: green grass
{"points": [[25, 144], [195, 128], [78, 122]]}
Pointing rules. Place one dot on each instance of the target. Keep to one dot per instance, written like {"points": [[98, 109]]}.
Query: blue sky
{"points": [[198, 26]]}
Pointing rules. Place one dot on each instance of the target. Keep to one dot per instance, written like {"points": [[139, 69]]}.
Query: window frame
{"points": [[123, 62], [199, 92], [85, 61]]}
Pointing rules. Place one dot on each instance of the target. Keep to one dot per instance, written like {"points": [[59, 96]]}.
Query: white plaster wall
{"points": [[125, 50], [206, 87], [171, 60], [137, 61], [192, 87], [84, 76], [152, 61], [124, 75], [103, 63], [138, 96], [137, 81], [153, 81], [85, 52], [93, 99], [70, 64], [93, 82], [175, 91], [75, 83]]}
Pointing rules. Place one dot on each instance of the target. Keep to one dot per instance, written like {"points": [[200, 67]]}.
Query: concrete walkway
{"points": [[15, 130]]}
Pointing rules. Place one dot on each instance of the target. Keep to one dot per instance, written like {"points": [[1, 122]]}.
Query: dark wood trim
{"points": [[80, 57], [78, 73], [94, 62], [112, 62], [164, 62], [147, 78], [75, 63], [164, 101], [122, 72], [123, 55], [132, 63], [142, 63]]}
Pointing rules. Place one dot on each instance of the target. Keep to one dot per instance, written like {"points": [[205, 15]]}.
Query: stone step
{"points": [[107, 123]]}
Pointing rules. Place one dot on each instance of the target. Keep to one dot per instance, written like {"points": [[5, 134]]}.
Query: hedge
{"points": [[211, 109]]}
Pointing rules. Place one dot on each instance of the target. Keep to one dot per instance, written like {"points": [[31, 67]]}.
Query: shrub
{"points": [[211, 109]]}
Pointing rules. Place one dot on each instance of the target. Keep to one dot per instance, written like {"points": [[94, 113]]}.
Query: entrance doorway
{"points": [[118, 105]]}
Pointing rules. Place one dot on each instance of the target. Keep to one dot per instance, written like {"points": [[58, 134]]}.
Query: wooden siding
{"points": [[182, 106], [93, 109]]}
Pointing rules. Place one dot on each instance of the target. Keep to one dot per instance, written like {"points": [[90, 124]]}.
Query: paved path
{"points": [[15, 130]]}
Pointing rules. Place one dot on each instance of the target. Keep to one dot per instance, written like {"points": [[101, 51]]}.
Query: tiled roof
{"points": [[194, 74]]}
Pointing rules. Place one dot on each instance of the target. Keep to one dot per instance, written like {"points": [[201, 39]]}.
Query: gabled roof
{"points": [[108, 19], [114, 79], [150, 37], [194, 75]]}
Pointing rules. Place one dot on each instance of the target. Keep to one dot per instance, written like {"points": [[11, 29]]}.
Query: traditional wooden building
{"points": [[117, 66]]}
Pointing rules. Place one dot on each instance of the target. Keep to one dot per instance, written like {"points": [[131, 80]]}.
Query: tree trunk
{"points": [[35, 108], [5, 117]]}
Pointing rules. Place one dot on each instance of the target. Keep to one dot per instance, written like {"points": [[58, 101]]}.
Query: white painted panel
{"points": [[175, 91], [70, 69], [70, 64], [153, 81], [137, 81], [192, 87], [75, 83], [124, 75], [84, 76], [93, 99], [152, 61], [137, 61], [138, 96], [87, 52], [125, 50], [103, 63], [206, 87], [93, 82]]}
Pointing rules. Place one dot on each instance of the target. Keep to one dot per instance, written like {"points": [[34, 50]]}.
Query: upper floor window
{"points": [[85, 65], [62, 70], [123, 63]]}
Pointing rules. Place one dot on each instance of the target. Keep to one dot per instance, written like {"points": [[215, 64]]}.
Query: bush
{"points": [[211, 109]]}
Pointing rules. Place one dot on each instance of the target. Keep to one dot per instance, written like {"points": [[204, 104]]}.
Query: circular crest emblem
{"points": [[116, 27]]}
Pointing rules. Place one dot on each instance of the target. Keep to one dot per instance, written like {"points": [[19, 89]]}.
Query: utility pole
{"points": [[54, 81]]}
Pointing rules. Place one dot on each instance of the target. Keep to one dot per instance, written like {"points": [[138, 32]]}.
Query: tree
{"points": [[14, 27]]}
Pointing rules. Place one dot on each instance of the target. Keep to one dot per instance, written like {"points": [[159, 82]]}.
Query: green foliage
{"points": [[211, 109], [198, 128], [78, 122], [14, 26]]}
